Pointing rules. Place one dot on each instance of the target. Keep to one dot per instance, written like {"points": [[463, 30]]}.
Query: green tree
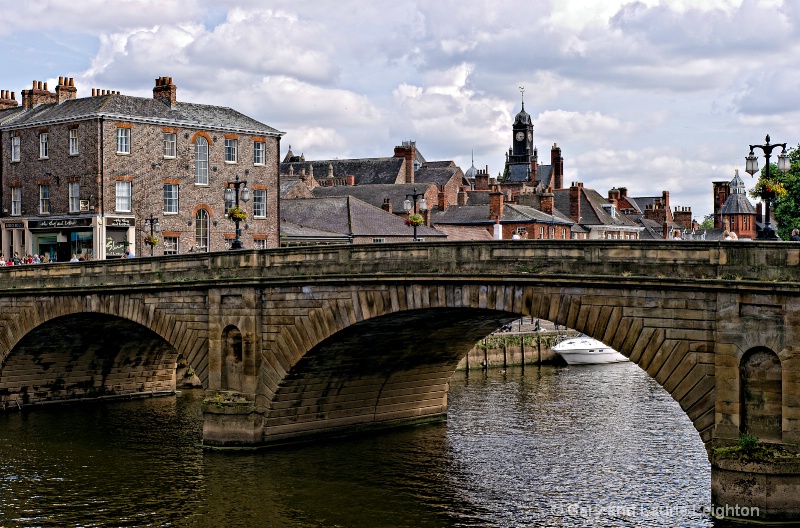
{"points": [[708, 222], [785, 205]]}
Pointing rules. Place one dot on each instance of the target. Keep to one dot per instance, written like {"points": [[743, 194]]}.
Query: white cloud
{"points": [[649, 94]]}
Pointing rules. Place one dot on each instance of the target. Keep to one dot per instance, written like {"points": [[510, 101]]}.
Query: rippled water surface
{"points": [[584, 446]]}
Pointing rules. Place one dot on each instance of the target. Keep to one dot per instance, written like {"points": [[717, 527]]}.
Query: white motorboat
{"points": [[584, 350]]}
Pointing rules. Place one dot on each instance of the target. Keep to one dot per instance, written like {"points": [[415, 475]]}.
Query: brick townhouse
{"points": [[96, 175]]}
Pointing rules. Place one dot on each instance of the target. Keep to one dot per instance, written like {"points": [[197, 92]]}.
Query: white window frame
{"points": [[378, 240], [171, 198], [231, 150], [15, 148], [73, 142], [259, 152], [259, 203], [16, 201], [44, 199], [44, 146], [170, 145], [123, 140], [171, 245], [260, 243], [74, 197], [124, 196], [201, 161], [202, 230]]}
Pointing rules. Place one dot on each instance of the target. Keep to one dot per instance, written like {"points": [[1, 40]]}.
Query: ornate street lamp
{"points": [[784, 164], [232, 194], [412, 202], [155, 227]]}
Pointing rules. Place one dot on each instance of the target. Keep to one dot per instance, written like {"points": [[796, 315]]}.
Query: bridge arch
{"points": [[310, 390], [43, 327]]}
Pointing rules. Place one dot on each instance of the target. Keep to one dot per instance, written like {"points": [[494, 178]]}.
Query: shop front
{"points": [[13, 238], [59, 238], [119, 233]]}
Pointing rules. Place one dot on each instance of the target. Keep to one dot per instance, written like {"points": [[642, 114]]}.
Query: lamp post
{"points": [[767, 232], [411, 202], [155, 226], [232, 195]]}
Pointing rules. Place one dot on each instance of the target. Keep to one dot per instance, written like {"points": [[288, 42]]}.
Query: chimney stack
{"points": [[37, 95], [8, 99], [407, 150], [557, 163], [65, 89], [442, 199], [387, 205], [575, 201], [495, 204], [482, 180], [683, 216], [546, 203], [165, 91]]}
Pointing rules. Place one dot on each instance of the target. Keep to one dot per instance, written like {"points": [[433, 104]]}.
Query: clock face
{"points": [[520, 136], [530, 136]]}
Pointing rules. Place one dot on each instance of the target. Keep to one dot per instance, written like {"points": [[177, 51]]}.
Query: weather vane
{"points": [[522, 91]]}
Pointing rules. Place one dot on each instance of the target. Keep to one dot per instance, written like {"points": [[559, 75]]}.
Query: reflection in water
{"points": [[553, 447]]}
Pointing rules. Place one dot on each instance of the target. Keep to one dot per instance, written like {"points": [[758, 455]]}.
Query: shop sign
{"points": [[120, 222], [14, 225], [60, 223], [116, 242]]}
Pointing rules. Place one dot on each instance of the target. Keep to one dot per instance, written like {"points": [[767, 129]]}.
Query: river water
{"points": [[579, 446]]}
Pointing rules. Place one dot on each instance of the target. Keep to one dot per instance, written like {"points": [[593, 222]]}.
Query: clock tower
{"points": [[521, 158], [522, 137]]}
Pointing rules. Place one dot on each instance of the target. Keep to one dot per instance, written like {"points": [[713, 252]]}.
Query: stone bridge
{"points": [[293, 344]]}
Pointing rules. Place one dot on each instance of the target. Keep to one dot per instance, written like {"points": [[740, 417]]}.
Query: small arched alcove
{"points": [[232, 365], [760, 378]]}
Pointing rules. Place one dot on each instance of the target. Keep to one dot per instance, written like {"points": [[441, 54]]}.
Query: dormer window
{"points": [[610, 209]]}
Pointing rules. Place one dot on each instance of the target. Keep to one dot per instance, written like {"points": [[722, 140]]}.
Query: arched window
{"points": [[201, 235], [201, 161], [761, 394]]}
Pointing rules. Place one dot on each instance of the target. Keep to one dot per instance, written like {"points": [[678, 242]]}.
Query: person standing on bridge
{"points": [[795, 235]]}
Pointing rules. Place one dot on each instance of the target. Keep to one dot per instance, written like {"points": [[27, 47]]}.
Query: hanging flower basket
{"points": [[415, 220], [236, 213], [151, 240], [767, 190]]}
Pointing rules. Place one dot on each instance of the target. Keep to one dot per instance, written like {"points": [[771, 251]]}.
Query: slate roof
{"points": [[592, 212], [517, 172], [479, 215], [465, 233], [290, 229], [348, 216], [437, 175], [737, 204], [116, 106], [544, 173], [364, 170], [653, 230], [9, 114], [373, 194]]}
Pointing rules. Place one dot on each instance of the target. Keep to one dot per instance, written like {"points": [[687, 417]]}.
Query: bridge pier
{"points": [[752, 490], [230, 420]]}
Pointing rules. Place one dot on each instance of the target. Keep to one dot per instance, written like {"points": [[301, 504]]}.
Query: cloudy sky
{"points": [[651, 95]]}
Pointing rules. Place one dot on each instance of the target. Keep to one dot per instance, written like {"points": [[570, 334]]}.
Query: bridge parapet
{"points": [[691, 262]]}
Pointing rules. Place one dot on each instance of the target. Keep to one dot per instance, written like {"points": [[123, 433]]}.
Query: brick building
{"points": [[94, 175], [732, 209]]}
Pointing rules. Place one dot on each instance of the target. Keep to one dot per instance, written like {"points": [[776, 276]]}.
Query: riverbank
{"points": [[524, 344]]}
